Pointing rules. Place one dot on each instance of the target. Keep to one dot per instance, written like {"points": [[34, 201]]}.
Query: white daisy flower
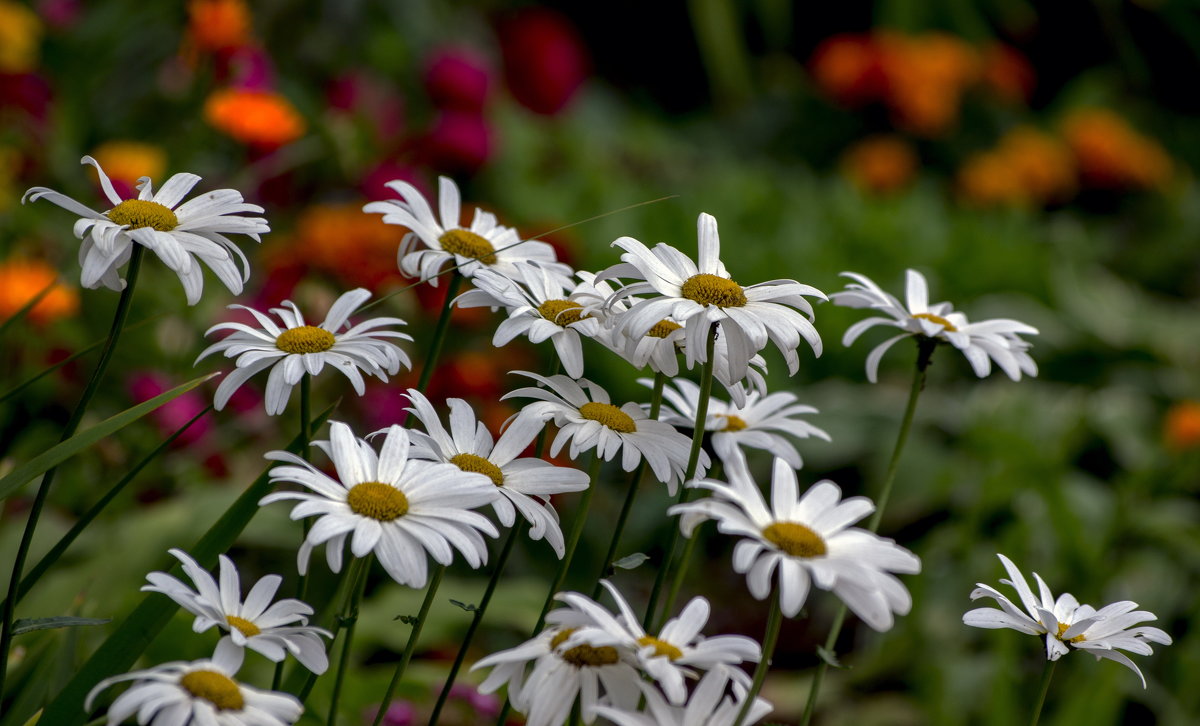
{"points": [[759, 423], [200, 692], [709, 705], [1067, 624], [808, 540], [483, 245], [256, 624], [539, 308], [698, 295], [590, 421], [175, 232], [387, 504], [676, 651], [983, 342], [525, 484], [295, 348]]}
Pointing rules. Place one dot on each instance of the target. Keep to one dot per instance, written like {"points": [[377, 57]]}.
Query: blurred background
{"points": [[1033, 159]]}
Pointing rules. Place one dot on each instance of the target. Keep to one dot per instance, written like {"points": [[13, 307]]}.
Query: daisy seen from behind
{"points": [[588, 420], [178, 232], [701, 294], [1066, 624], [293, 349], [525, 484], [805, 541], [268, 628], [982, 343], [710, 704], [386, 503], [200, 692]]}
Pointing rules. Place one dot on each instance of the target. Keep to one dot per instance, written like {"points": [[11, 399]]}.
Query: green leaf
{"points": [[469, 608], [80, 441], [28, 625], [631, 561], [830, 657]]}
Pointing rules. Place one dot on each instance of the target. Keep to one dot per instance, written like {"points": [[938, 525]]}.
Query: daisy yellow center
{"points": [[795, 539], [709, 289], [562, 312], [305, 339], [466, 243], [661, 647], [479, 465], [138, 213], [939, 320], [610, 416], [584, 655], [243, 625], [217, 688], [378, 501], [734, 423], [663, 328], [1063, 628]]}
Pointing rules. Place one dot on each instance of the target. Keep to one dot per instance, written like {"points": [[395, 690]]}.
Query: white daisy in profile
{"points": [[388, 504], [256, 624], [525, 484], [762, 422], [539, 307], [178, 233], [700, 294], [806, 539], [679, 650], [484, 244], [1067, 624], [711, 704], [982, 343], [200, 692], [295, 348], [588, 420]]}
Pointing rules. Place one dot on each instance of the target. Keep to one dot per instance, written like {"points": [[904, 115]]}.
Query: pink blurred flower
{"points": [[485, 704], [373, 99], [26, 91], [59, 14], [400, 713], [374, 180], [459, 142], [458, 78], [172, 415], [247, 68], [545, 61]]}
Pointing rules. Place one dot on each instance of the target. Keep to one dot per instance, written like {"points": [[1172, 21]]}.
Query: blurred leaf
{"points": [[631, 561], [469, 608], [28, 625]]}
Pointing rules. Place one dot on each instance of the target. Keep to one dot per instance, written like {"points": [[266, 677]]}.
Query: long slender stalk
{"points": [[39, 502], [497, 568], [770, 638], [435, 580], [305, 451], [685, 492], [630, 493], [349, 618], [925, 348], [1047, 674], [439, 333]]}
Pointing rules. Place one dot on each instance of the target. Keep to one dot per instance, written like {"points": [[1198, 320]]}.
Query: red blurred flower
{"points": [[545, 60], [458, 142], [28, 92], [1181, 428], [1007, 73], [374, 182], [848, 67], [458, 78]]}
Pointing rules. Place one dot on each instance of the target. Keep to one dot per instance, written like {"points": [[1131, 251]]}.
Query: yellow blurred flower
{"points": [[219, 24], [253, 117], [880, 164], [22, 280], [130, 160], [1027, 167], [348, 244], [20, 37], [1181, 427], [1112, 155]]}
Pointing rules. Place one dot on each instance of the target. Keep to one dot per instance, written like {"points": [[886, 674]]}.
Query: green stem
{"points": [[435, 581], [439, 333], [348, 619], [925, 348], [305, 452], [1047, 674], [774, 622], [39, 502], [685, 493], [497, 569], [630, 493]]}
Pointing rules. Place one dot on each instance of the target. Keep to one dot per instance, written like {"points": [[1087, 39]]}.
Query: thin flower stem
{"points": [[630, 493], [497, 569], [39, 502], [439, 333], [348, 619], [685, 493], [1047, 674], [305, 450], [774, 622], [925, 348], [435, 580]]}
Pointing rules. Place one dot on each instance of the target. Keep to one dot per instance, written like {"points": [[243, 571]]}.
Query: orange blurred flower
{"points": [[847, 67], [1181, 427], [880, 164], [1007, 74], [22, 280], [128, 161], [219, 24], [262, 119], [926, 78], [354, 247], [988, 179], [1112, 155], [1027, 167], [20, 37]]}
